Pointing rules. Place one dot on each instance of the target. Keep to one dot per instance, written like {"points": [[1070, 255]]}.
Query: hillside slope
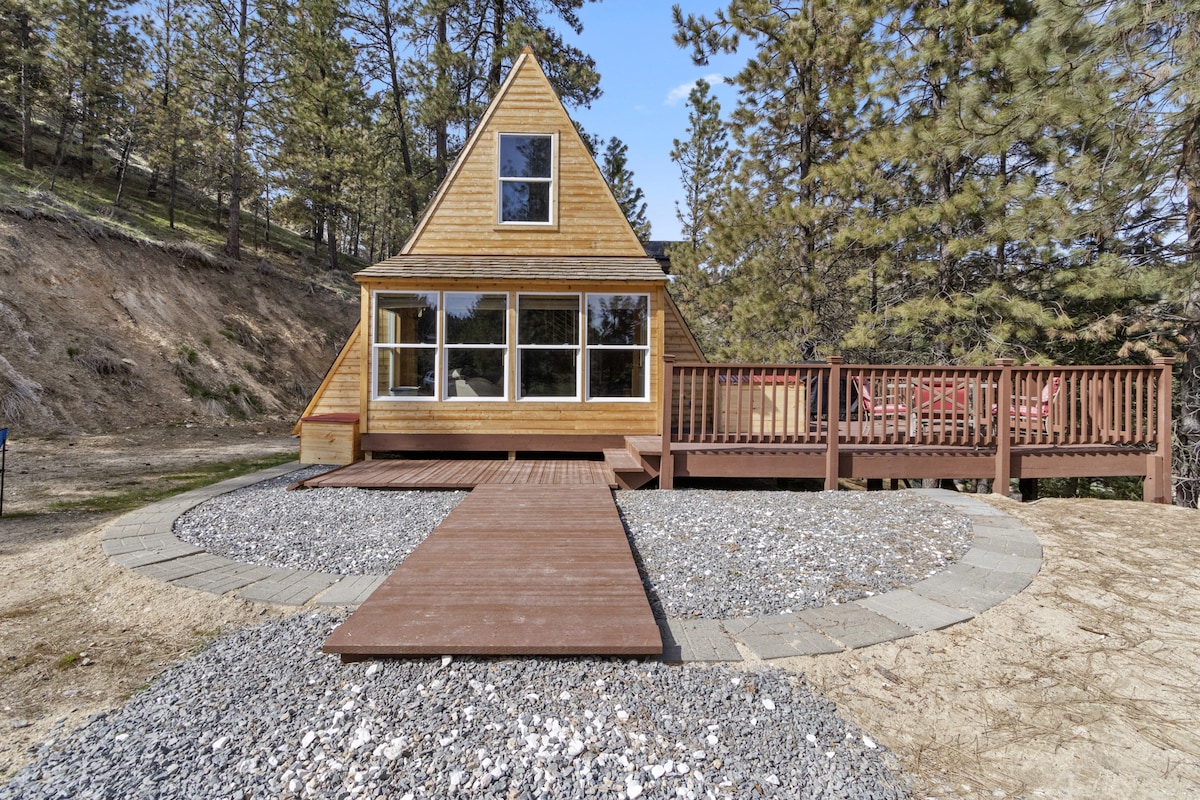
{"points": [[98, 333]]}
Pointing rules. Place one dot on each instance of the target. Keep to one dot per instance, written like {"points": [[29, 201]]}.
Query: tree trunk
{"points": [[233, 235], [172, 192], [87, 132], [331, 228], [60, 147], [122, 168], [496, 73], [398, 96], [1187, 424], [441, 135], [25, 33]]}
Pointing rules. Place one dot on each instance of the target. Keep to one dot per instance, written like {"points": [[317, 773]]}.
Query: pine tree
{"points": [[1155, 49], [614, 166], [229, 42], [379, 33], [171, 130], [704, 167], [460, 49], [89, 56], [801, 96], [702, 163], [23, 33], [319, 114]]}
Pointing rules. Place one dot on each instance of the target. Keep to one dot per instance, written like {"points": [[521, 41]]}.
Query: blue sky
{"points": [[645, 78]]}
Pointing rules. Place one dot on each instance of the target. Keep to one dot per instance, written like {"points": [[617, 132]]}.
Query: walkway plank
{"points": [[463, 474], [513, 570]]}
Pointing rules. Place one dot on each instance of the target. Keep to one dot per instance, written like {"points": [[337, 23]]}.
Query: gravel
{"points": [[703, 553], [343, 531], [262, 713], [726, 554]]}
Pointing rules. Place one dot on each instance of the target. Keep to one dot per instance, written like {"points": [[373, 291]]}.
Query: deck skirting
{"points": [[911, 462]]}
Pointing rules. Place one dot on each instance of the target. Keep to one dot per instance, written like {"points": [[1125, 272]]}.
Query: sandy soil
{"points": [[78, 633], [1085, 685]]}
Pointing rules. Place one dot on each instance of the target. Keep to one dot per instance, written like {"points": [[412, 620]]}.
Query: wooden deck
{"points": [[513, 570], [464, 474], [837, 420]]}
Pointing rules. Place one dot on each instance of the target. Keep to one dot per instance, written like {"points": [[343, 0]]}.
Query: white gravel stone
{"points": [[281, 719]]}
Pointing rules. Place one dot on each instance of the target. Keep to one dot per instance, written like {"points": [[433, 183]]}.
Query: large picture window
{"points": [[405, 344], [618, 345], [476, 344], [456, 346], [526, 173], [548, 346]]}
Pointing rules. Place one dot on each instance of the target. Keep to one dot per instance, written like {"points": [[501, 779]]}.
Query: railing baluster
{"points": [[938, 406]]}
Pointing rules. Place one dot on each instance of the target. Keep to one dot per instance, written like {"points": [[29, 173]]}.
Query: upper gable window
{"points": [[526, 178]]}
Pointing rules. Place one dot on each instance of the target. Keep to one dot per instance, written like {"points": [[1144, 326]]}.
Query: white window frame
{"points": [[592, 348], [447, 347], [552, 216], [377, 347], [578, 347]]}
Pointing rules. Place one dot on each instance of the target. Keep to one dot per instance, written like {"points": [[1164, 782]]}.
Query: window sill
{"points": [[503, 227]]}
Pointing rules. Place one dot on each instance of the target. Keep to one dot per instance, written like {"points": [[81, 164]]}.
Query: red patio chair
{"points": [[1029, 412], [940, 404], [887, 407]]}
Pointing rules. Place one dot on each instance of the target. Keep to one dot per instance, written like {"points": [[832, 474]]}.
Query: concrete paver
{"points": [[289, 587], [853, 625], [351, 590], [780, 636], [913, 611], [1004, 558], [696, 640]]}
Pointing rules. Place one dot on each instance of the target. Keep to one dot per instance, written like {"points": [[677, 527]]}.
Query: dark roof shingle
{"points": [[547, 268]]}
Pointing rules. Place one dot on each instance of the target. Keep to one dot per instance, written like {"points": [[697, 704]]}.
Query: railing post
{"points": [[1004, 401], [666, 462], [1157, 487], [832, 413]]}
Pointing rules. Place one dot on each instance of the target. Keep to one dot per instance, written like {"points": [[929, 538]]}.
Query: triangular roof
{"points": [[462, 217]]}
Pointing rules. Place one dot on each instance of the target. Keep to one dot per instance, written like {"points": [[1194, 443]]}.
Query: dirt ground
{"points": [[78, 633], [1085, 685]]}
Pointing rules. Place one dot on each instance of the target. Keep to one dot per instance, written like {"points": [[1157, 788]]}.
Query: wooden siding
{"points": [[462, 217], [678, 338], [330, 439], [524, 417], [339, 391]]}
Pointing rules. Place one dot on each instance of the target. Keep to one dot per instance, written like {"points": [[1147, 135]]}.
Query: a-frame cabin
{"points": [[522, 315]]}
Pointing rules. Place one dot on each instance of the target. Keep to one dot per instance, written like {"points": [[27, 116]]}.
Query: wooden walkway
{"points": [[513, 570], [463, 474]]}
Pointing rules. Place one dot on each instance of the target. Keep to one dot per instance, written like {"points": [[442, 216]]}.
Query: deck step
{"points": [[621, 460], [645, 445]]}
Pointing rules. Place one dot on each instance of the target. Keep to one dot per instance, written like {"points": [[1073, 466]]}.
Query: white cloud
{"points": [[680, 93]]}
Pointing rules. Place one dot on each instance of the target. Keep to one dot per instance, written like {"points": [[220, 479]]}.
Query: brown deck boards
{"points": [[463, 473], [513, 570]]}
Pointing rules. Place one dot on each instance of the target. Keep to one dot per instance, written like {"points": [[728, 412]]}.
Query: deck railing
{"points": [[831, 404]]}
